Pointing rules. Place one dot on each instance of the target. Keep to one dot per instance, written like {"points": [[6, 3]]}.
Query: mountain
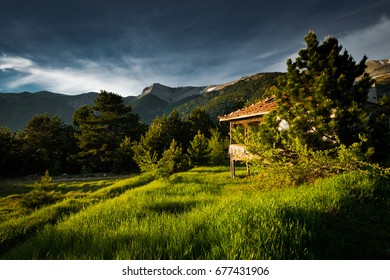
{"points": [[171, 95], [17, 108], [158, 99], [380, 71], [378, 68]]}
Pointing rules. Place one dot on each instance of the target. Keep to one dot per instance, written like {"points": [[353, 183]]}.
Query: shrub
{"points": [[123, 161], [199, 152], [172, 161], [217, 146], [38, 198], [300, 164], [45, 181], [144, 156]]}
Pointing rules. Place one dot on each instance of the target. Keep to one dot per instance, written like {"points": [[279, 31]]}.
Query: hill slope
{"points": [[203, 214], [215, 99], [17, 109], [380, 71], [157, 99]]}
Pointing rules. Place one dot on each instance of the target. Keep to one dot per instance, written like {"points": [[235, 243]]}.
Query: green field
{"points": [[199, 214]]}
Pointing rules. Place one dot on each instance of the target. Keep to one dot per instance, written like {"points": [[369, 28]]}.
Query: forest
{"points": [[103, 139]]}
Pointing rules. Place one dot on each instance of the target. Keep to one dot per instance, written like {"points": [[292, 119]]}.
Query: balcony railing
{"points": [[239, 152]]}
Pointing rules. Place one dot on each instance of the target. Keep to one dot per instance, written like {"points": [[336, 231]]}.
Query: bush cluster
{"points": [[300, 164], [201, 152], [38, 198], [41, 195]]}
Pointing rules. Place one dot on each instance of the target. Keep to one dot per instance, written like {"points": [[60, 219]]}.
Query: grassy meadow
{"points": [[198, 214]]}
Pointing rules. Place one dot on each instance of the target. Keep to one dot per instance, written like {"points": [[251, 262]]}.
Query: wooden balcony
{"points": [[238, 152], [250, 115]]}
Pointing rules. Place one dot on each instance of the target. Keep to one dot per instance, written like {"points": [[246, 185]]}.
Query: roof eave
{"points": [[224, 119]]}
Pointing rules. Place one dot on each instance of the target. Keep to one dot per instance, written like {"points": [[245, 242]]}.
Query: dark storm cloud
{"points": [[126, 45]]}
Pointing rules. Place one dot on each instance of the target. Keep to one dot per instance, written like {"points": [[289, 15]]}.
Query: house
{"points": [[247, 116], [254, 114]]}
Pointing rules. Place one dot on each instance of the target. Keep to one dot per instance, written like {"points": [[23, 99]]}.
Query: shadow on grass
{"points": [[9, 188], [173, 207], [359, 230], [13, 234], [208, 171], [83, 188]]}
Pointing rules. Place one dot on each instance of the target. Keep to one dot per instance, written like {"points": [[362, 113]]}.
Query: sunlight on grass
{"points": [[204, 214]]}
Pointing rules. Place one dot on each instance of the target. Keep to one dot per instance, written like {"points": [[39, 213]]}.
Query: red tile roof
{"points": [[257, 109]]}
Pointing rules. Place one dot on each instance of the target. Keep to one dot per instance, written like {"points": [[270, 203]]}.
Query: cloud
{"points": [[125, 75], [128, 73], [372, 41], [82, 76], [16, 63]]}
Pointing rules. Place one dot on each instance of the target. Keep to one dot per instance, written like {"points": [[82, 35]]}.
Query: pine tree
{"points": [[162, 131], [144, 154], [200, 120], [198, 151], [10, 147], [102, 127], [218, 148], [123, 158], [172, 161], [46, 142], [322, 98]]}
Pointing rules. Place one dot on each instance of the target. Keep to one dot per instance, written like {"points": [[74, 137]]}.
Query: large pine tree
{"points": [[45, 145], [322, 97], [102, 127]]}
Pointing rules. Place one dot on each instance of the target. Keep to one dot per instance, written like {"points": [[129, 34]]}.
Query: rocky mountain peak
{"points": [[378, 68], [169, 94]]}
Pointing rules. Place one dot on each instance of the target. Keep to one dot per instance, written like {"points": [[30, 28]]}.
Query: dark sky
{"points": [[75, 46]]}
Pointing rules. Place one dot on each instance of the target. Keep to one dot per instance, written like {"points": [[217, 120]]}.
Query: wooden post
{"points": [[232, 168], [245, 132], [230, 133]]}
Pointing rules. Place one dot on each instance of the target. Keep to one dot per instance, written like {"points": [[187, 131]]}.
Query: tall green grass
{"points": [[14, 229], [203, 214]]}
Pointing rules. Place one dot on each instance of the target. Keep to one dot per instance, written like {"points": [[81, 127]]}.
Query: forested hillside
{"points": [[246, 91], [17, 109], [215, 100]]}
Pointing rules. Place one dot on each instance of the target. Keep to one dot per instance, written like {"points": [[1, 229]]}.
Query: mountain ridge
{"points": [[157, 99], [17, 108], [171, 94], [177, 94]]}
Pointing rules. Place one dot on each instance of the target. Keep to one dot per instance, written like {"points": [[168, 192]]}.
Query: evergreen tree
{"points": [[321, 100], [199, 120], [123, 159], [379, 124], [46, 143], [146, 152], [198, 151], [101, 128], [218, 148], [177, 129], [172, 161], [158, 138], [9, 149]]}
